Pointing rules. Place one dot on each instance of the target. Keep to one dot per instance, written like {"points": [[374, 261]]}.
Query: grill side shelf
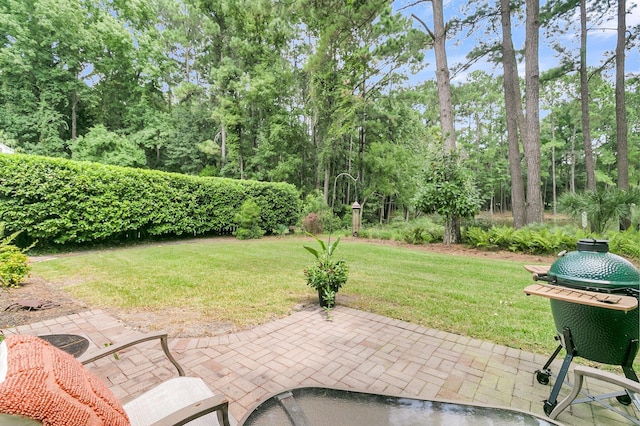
{"points": [[583, 297], [538, 269]]}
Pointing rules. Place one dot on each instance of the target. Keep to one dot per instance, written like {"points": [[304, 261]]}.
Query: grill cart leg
{"points": [[551, 403], [627, 367], [544, 373]]}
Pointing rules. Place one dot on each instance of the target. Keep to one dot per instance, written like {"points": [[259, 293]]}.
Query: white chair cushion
{"points": [[3, 360], [15, 420], [167, 398]]}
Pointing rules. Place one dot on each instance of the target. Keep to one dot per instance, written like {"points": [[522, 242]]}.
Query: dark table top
{"points": [[70, 343]]}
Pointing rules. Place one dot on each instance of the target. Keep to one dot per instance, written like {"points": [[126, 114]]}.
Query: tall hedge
{"points": [[61, 201]]}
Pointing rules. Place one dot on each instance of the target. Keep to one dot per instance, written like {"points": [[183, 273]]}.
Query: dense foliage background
{"points": [[293, 91]]}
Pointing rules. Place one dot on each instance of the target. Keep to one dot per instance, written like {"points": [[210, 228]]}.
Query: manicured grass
{"points": [[254, 281]]}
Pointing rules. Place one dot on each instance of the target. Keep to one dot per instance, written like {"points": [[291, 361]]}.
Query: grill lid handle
{"points": [[591, 244]]}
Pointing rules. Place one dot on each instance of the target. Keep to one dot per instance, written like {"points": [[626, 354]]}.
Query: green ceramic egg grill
{"points": [[594, 333]]}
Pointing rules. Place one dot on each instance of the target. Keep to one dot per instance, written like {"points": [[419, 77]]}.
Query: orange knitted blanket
{"points": [[49, 385]]}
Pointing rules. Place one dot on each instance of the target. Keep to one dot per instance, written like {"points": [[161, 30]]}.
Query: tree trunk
{"points": [[513, 103], [572, 184], [584, 100], [442, 77], [443, 81], [74, 116], [553, 165], [452, 234], [621, 111], [531, 136], [240, 155], [223, 142], [363, 135]]}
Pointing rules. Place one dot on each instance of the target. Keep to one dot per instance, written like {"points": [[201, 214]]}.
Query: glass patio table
{"points": [[316, 406]]}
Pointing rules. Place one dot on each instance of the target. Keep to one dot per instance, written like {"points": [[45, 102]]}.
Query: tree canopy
{"points": [[301, 91]]}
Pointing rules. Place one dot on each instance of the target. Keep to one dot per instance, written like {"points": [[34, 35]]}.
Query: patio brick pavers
{"points": [[354, 350]]}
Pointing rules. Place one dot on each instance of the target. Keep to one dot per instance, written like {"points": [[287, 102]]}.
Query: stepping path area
{"points": [[349, 349]]}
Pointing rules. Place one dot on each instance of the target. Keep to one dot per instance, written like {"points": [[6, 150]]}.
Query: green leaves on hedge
{"points": [[60, 201]]}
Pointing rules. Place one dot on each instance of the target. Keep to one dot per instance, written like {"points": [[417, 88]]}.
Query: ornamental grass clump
{"points": [[327, 275]]}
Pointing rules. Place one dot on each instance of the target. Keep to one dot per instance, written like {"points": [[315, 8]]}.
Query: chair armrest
{"points": [[580, 372], [198, 409], [109, 350], [607, 377]]}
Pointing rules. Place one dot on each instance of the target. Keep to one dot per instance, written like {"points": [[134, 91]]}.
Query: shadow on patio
{"points": [[354, 350]]}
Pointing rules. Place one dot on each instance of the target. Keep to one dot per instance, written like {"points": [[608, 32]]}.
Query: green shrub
{"points": [[282, 230], [545, 239], [436, 233], [363, 233], [59, 201], [314, 204], [13, 262], [248, 220], [414, 235], [625, 243], [13, 266], [384, 235], [477, 237]]}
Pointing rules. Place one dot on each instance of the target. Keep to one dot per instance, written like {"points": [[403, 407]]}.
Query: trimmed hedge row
{"points": [[60, 201]]}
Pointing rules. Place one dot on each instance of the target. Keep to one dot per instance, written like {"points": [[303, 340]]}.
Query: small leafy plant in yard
{"points": [[248, 221], [13, 261], [327, 274], [281, 230], [414, 235]]}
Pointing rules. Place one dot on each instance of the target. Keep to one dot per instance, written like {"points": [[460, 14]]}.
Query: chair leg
{"points": [[579, 373], [560, 407], [223, 416]]}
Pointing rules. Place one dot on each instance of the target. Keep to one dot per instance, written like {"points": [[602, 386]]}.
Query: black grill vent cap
{"points": [[591, 244]]}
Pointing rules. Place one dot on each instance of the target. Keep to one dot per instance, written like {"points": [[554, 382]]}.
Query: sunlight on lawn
{"points": [[251, 282]]}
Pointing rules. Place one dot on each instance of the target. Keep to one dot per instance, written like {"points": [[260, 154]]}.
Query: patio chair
{"points": [[580, 372], [177, 401]]}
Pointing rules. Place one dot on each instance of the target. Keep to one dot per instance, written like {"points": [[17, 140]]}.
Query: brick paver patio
{"points": [[354, 350]]}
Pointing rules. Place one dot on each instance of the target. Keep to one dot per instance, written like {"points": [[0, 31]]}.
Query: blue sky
{"points": [[599, 40]]}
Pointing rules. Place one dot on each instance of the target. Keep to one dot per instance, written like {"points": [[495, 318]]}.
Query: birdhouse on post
{"points": [[355, 219]]}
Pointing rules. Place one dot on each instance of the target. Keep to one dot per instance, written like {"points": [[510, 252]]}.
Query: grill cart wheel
{"points": [[543, 376], [548, 407], [624, 399]]}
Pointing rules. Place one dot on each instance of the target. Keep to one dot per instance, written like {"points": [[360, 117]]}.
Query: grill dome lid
{"points": [[592, 267]]}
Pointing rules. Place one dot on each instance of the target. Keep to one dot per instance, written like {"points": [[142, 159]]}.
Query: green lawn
{"points": [[254, 281]]}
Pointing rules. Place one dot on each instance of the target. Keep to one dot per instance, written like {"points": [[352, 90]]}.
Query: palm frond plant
{"points": [[601, 206]]}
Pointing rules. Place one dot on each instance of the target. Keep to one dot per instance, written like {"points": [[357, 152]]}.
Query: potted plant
{"points": [[326, 275]]}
